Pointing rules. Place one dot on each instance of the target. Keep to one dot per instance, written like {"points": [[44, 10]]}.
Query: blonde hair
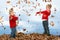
{"points": [[49, 5], [10, 10]]}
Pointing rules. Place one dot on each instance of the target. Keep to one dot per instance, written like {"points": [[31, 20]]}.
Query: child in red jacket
{"points": [[12, 21], [45, 15]]}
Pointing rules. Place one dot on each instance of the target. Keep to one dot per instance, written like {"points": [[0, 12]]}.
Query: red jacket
{"points": [[45, 14], [13, 21]]}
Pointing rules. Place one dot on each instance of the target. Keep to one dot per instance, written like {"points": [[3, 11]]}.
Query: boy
{"points": [[12, 20], [45, 15]]}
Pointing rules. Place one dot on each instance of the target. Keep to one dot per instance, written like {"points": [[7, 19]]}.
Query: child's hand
{"points": [[35, 14], [39, 14], [17, 22], [11, 18]]}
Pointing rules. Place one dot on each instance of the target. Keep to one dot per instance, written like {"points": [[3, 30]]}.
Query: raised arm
{"points": [[15, 18], [37, 13]]}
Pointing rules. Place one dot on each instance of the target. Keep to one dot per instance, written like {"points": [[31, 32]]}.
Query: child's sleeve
{"points": [[42, 12], [15, 18], [49, 13], [37, 13], [10, 18]]}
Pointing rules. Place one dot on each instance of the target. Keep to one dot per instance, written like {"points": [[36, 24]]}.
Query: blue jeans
{"points": [[13, 32], [46, 28]]}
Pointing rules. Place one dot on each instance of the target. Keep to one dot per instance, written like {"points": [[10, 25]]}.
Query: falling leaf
{"points": [[28, 2], [19, 7], [18, 2], [1, 21], [27, 11], [19, 14], [29, 14], [16, 5], [6, 8], [8, 2], [4, 28], [36, 0], [52, 23], [55, 9], [25, 1], [13, 6], [44, 0], [31, 9], [47, 0], [34, 7], [28, 21], [38, 4], [23, 9], [52, 16], [20, 19], [24, 29], [32, 2]]}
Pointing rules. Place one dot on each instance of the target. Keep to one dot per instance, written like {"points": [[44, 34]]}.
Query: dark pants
{"points": [[13, 32], [46, 28]]}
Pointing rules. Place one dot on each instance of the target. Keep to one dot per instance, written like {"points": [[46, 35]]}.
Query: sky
{"points": [[30, 23]]}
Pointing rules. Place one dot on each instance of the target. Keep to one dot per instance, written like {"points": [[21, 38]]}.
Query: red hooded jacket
{"points": [[45, 14], [13, 21]]}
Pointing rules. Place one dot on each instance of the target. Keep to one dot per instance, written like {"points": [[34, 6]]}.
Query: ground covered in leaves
{"points": [[33, 36]]}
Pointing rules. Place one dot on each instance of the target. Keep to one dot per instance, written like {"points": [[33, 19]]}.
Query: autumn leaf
{"points": [[18, 2], [24, 29], [8, 2], [52, 23]]}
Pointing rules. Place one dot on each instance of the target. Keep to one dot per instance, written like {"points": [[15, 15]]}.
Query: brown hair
{"points": [[10, 10], [49, 5]]}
